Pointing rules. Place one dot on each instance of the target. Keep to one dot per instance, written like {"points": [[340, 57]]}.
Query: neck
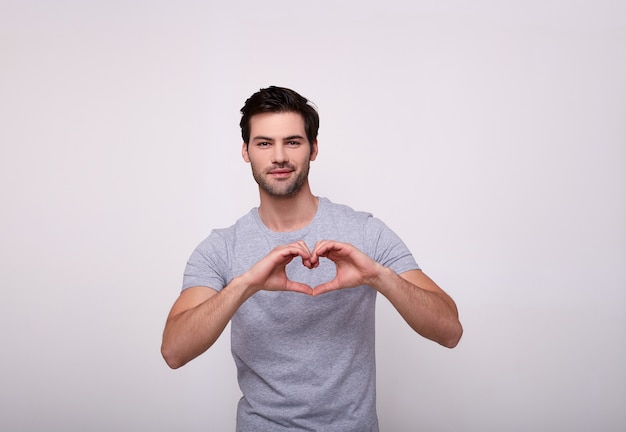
{"points": [[283, 214]]}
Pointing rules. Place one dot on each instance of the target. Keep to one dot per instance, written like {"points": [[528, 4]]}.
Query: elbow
{"points": [[173, 361], [453, 337]]}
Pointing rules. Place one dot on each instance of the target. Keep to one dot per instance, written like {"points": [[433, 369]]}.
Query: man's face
{"points": [[279, 153]]}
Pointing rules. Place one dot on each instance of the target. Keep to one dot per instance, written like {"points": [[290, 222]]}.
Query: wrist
{"points": [[381, 278], [242, 287]]}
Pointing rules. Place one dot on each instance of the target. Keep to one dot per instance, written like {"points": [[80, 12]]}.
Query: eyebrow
{"points": [[293, 137], [264, 138]]}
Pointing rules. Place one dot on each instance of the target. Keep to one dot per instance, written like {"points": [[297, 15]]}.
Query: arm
{"points": [[423, 305], [200, 314]]}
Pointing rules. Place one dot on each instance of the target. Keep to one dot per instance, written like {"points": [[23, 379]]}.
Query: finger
{"points": [[293, 250], [304, 253], [308, 264], [304, 246], [322, 249], [299, 287]]}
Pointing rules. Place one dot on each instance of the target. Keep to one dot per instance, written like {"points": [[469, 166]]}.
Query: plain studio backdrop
{"points": [[490, 135]]}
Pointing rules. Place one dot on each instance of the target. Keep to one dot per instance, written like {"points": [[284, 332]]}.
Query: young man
{"points": [[298, 278]]}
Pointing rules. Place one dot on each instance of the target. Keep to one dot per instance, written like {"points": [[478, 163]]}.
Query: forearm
{"points": [[424, 306], [192, 331]]}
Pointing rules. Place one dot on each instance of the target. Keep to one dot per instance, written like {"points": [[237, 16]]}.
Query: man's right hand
{"points": [[270, 272], [200, 314]]}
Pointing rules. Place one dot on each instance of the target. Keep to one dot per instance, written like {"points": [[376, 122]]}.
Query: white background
{"points": [[491, 135]]}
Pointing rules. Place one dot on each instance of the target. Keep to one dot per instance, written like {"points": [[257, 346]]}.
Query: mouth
{"points": [[280, 173]]}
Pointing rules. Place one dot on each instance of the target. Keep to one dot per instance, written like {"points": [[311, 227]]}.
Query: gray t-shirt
{"points": [[303, 363]]}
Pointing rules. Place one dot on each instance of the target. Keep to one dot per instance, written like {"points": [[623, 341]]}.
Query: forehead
{"points": [[276, 125]]}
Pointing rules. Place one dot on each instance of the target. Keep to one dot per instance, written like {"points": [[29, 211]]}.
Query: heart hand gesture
{"points": [[353, 268]]}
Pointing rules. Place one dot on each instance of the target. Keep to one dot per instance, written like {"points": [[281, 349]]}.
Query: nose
{"points": [[279, 155]]}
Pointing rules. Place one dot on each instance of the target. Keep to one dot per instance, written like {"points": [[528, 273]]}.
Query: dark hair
{"points": [[278, 100]]}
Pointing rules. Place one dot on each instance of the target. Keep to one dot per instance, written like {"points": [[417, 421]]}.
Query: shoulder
{"points": [[343, 211], [245, 222], [358, 227], [219, 239], [359, 219]]}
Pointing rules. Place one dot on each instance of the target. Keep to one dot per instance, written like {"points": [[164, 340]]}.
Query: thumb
{"points": [[299, 287], [326, 287]]}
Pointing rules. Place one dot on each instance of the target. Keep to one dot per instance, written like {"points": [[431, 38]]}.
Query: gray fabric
{"points": [[304, 363]]}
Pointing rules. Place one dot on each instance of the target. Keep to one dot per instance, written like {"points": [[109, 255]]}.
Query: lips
{"points": [[281, 172]]}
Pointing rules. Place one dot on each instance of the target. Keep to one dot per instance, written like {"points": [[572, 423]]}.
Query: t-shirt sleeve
{"points": [[207, 265], [387, 248]]}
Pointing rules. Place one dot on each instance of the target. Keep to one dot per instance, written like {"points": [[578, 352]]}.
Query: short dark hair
{"points": [[278, 100]]}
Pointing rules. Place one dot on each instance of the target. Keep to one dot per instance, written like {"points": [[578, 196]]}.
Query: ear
{"points": [[244, 152], [313, 151]]}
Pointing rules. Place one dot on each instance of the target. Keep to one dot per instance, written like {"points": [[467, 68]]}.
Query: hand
{"points": [[269, 273], [354, 268]]}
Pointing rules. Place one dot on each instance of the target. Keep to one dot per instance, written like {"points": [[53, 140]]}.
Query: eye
{"points": [[293, 143], [263, 144]]}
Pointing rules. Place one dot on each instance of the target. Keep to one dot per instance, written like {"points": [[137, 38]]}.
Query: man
{"points": [[298, 278]]}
